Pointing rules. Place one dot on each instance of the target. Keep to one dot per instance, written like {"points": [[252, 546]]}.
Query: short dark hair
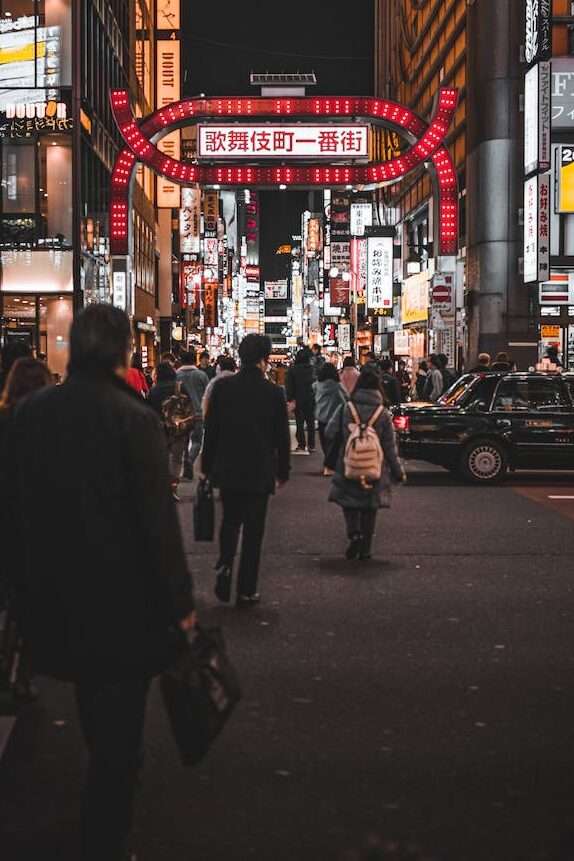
{"points": [[253, 348], [165, 372], [137, 361], [303, 357], [326, 372], [100, 338], [204, 355], [227, 363], [348, 362], [386, 365], [317, 348], [188, 357], [369, 378], [12, 351]]}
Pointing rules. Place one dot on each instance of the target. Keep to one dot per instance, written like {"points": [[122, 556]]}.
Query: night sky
{"points": [[225, 41]]}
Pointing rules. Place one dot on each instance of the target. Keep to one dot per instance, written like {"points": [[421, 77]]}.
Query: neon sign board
{"points": [[283, 141], [139, 137]]}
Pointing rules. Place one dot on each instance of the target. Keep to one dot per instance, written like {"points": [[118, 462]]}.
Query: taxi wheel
{"points": [[484, 462]]}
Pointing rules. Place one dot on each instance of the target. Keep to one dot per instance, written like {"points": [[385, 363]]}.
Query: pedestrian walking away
{"points": [[421, 380], [118, 584], [404, 380], [361, 498], [390, 384], [349, 374], [299, 385], [165, 389], [246, 454], [226, 367], [483, 364], [329, 394], [317, 359], [194, 382], [136, 378]]}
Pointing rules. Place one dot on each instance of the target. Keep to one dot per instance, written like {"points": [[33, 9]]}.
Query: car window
{"points": [[534, 394], [480, 395], [457, 391]]}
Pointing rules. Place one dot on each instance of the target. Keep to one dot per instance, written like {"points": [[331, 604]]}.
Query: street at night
{"points": [[423, 697]]}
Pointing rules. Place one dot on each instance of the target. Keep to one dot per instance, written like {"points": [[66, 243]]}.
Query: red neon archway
{"points": [[429, 145]]}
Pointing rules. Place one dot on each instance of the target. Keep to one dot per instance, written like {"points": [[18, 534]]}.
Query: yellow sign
{"points": [[415, 299], [566, 179], [550, 332]]}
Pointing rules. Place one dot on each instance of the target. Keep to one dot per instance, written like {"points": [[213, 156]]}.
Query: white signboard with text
{"points": [[295, 141], [380, 272], [537, 229]]}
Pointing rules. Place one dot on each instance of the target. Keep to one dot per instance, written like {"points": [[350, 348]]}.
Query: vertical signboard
{"points": [[537, 229], [538, 33], [537, 118], [168, 89], [361, 217], [380, 273], [344, 337], [189, 221]]}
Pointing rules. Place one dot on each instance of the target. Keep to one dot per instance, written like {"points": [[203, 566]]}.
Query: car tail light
{"points": [[402, 423]]}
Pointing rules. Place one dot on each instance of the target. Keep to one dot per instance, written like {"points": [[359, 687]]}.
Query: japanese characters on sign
{"points": [[168, 90], [344, 337], [537, 118], [276, 290], [189, 221], [210, 316], [296, 141], [341, 255], [538, 33], [340, 292], [565, 175], [537, 229], [210, 212], [379, 273], [361, 217], [563, 93]]}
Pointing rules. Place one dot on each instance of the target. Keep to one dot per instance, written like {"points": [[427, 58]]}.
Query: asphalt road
{"points": [[424, 697]]}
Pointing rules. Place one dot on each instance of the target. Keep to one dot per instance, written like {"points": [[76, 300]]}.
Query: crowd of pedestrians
{"points": [[113, 445]]}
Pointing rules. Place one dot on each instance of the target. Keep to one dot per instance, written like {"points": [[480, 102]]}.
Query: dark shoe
{"points": [[223, 584], [354, 547], [248, 600], [311, 450], [366, 552]]}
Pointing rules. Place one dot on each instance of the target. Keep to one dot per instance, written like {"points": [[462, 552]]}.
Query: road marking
{"points": [[561, 497]]}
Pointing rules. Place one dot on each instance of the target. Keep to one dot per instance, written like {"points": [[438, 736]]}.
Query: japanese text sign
{"points": [[379, 272], [295, 141]]}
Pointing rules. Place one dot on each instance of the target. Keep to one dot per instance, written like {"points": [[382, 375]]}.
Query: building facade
{"points": [[476, 48]]}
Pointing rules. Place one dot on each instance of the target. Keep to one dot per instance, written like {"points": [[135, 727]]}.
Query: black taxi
{"points": [[491, 422]]}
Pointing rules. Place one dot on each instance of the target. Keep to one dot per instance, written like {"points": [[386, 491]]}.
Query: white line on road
{"points": [[561, 497]]}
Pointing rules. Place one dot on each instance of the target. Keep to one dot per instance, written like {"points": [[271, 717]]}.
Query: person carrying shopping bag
{"points": [[367, 462]]}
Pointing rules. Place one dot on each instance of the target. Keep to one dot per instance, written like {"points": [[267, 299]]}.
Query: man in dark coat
{"points": [[299, 386], [101, 578], [246, 453], [391, 386]]}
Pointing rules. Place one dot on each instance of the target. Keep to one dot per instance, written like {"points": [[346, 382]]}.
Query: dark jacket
{"points": [[159, 394], [299, 386], [329, 395], [349, 493], [100, 569], [247, 444], [392, 389]]}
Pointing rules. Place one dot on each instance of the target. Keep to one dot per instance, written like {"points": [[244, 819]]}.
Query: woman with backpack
{"points": [[166, 391], [367, 463]]}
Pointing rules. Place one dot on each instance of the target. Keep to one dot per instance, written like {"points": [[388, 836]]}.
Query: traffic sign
{"points": [[442, 293]]}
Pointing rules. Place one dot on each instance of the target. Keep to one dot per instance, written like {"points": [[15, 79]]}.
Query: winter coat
{"points": [[392, 389], [159, 395], [349, 377], [101, 575], [299, 385], [349, 493], [421, 384], [219, 376], [136, 379], [328, 398], [194, 383], [247, 445]]}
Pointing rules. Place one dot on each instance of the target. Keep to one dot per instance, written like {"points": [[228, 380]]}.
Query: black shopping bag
{"points": [[204, 512], [200, 691]]}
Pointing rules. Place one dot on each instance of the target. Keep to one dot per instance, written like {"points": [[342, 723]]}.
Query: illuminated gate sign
{"points": [[318, 130], [281, 141]]}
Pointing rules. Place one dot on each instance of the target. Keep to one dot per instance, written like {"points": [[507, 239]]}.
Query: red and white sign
{"points": [[537, 228], [295, 141], [442, 293], [557, 291]]}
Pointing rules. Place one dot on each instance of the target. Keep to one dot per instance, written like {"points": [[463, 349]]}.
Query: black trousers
{"points": [[305, 416], [112, 720], [247, 510], [360, 521]]}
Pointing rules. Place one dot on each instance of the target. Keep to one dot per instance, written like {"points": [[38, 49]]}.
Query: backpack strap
{"points": [[375, 417], [354, 412]]}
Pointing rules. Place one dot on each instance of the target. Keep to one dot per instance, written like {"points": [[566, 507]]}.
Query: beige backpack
{"points": [[363, 453]]}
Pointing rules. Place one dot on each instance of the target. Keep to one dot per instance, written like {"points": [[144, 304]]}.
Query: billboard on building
{"points": [[190, 221], [565, 178], [168, 90], [292, 141], [563, 93], [380, 273], [537, 118], [536, 229], [361, 217]]}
